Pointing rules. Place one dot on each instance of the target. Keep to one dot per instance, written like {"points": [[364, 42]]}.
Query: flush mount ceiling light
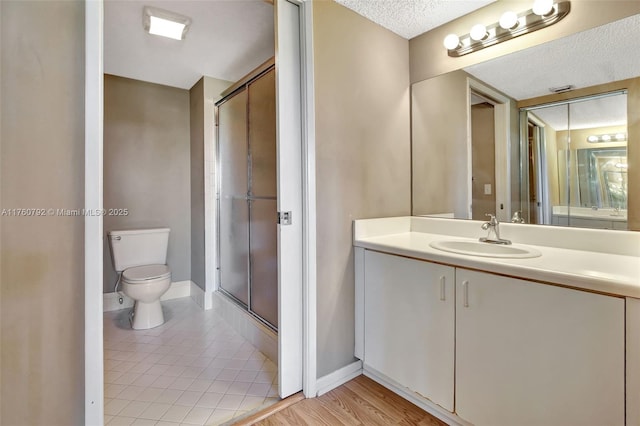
{"points": [[511, 25], [164, 23]]}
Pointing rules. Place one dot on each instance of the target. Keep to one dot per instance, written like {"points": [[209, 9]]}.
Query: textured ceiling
{"points": [[227, 39], [410, 18], [607, 53], [601, 55], [588, 114]]}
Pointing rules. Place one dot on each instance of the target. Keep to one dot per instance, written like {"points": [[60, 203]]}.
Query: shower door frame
{"points": [[242, 87]]}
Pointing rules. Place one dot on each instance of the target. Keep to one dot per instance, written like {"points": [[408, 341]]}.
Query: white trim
{"points": [[289, 132], [210, 208], [177, 290], [309, 372], [263, 338], [201, 297], [358, 260], [502, 150], [93, 243], [633, 361], [339, 377], [427, 405]]}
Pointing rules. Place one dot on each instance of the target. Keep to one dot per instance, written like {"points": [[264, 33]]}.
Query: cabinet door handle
{"points": [[442, 288], [465, 294]]}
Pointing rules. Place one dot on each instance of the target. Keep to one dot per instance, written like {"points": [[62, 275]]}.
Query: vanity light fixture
{"points": [[607, 137], [509, 20], [542, 7], [478, 32], [511, 25], [164, 23]]}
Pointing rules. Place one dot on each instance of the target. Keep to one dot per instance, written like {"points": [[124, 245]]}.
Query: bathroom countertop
{"points": [[609, 273]]}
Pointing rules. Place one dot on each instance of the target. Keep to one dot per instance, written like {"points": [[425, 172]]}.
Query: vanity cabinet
{"points": [[409, 312], [536, 354], [506, 350]]}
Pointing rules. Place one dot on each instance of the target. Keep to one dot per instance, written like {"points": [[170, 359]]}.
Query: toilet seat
{"points": [[146, 273]]}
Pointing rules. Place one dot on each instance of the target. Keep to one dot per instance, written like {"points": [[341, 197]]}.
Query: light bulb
{"points": [[606, 138], [451, 41], [478, 32], [592, 138], [509, 20], [620, 136], [542, 7]]}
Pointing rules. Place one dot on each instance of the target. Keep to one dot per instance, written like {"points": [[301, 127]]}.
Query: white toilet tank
{"points": [[139, 247]]}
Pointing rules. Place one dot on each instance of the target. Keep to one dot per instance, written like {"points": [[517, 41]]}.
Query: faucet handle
{"points": [[492, 220]]}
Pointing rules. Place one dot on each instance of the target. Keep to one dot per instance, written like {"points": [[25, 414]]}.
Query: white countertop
{"points": [[610, 273], [590, 213]]}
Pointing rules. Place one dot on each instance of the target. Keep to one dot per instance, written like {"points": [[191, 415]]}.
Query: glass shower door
{"points": [[233, 202], [248, 202], [263, 238], [582, 144]]}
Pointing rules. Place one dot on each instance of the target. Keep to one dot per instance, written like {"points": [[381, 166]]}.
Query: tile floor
{"points": [[192, 370]]}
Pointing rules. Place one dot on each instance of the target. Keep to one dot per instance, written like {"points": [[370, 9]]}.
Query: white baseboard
{"points": [[202, 298], [197, 294], [339, 377], [259, 335], [427, 405], [177, 290]]}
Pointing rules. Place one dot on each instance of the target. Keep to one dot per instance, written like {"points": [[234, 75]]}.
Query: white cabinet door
{"points": [[409, 324], [535, 354]]}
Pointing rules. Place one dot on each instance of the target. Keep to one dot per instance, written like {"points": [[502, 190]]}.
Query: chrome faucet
{"points": [[517, 217], [493, 226]]}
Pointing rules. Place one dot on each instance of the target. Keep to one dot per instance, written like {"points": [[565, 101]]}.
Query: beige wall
{"points": [[483, 160], [42, 166], [429, 58], [439, 138], [147, 166], [202, 98], [551, 150], [362, 156]]}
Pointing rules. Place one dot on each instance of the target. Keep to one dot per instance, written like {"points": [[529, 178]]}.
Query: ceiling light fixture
{"points": [[511, 25], [164, 23], [607, 137]]}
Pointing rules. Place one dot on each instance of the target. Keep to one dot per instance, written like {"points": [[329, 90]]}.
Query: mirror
{"points": [[451, 174], [577, 163]]}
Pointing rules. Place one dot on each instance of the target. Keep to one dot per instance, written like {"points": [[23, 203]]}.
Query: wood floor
{"points": [[358, 402]]}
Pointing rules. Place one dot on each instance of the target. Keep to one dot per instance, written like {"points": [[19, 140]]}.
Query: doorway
{"points": [[483, 177], [488, 147], [295, 152]]}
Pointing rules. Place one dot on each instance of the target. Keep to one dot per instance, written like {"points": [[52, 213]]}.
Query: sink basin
{"points": [[477, 248]]}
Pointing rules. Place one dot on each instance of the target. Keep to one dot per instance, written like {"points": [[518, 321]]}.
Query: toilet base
{"points": [[146, 315]]}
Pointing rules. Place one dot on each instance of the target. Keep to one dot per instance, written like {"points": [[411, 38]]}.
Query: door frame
{"points": [[93, 225], [93, 245], [502, 112]]}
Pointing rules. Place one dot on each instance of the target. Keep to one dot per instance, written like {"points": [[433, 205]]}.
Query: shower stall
{"points": [[247, 195]]}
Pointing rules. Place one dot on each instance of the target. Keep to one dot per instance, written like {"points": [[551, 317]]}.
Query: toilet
{"points": [[140, 255]]}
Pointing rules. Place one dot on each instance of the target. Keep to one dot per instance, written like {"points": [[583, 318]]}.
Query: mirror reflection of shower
{"points": [[574, 157]]}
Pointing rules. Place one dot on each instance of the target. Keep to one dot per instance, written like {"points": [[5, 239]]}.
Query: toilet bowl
{"points": [[141, 256], [145, 285]]}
